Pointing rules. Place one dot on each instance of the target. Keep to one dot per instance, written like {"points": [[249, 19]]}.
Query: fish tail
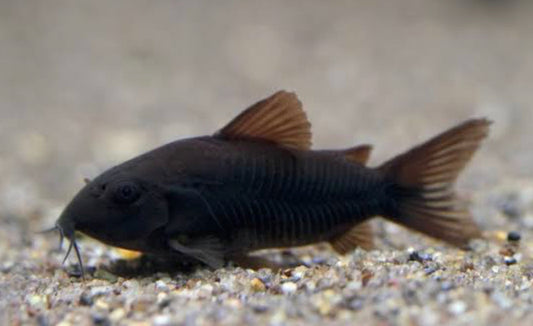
{"points": [[423, 198]]}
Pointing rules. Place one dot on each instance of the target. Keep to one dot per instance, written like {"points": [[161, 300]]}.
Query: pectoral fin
{"points": [[208, 250]]}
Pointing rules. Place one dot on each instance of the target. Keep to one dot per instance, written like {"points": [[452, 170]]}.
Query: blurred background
{"points": [[87, 84]]}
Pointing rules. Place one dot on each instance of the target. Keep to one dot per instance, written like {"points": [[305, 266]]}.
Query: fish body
{"points": [[256, 184]]}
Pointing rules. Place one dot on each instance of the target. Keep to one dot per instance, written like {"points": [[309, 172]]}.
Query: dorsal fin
{"points": [[359, 154], [360, 235], [279, 119]]}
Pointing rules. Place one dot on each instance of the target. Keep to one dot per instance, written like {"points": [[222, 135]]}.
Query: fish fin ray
{"points": [[208, 250], [279, 119], [360, 235], [256, 263], [423, 181]]}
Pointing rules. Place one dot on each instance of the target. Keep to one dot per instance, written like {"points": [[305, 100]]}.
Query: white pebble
{"points": [[161, 286], [162, 320], [289, 287], [457, 307]]}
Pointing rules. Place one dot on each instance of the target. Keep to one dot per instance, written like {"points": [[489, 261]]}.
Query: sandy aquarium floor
{"points": [[85, 85]]}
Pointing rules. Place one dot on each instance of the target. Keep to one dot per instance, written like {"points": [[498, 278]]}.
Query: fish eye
{"points": [[127, 192]]}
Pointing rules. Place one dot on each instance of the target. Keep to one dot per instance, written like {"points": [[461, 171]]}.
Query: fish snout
{"points": [[66, 223]]}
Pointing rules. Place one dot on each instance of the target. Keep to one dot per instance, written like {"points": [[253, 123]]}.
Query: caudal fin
{"points": [[423, 178]]}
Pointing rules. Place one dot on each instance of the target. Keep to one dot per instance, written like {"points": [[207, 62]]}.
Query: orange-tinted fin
{"points": [[360, 235], [279, 119], [424, 178], [358, 154]]}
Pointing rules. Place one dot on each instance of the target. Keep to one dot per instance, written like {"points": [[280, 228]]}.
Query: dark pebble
{"points": [[355, 304], [90, 269], [430, 270], [488, 290], [260, 308], [419, 257], [74, 272], [100, 319], [42, 320], [513, 236], [510, 261], [410, 296], [164, 303], [86, 299]]}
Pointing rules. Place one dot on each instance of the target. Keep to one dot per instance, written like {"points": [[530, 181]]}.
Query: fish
{"points": [[256, 184]]}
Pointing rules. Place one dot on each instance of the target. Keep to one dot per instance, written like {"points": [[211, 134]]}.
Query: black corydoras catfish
{"points": [[257, 184]]}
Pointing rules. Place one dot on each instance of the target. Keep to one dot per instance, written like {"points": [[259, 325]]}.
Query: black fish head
{"points": [[116, 208]]}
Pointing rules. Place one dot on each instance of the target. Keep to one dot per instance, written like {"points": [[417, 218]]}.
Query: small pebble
{"points": [[510, 261], [101, 290], [355, 304], [430, 270], [513, 236], [257, 285], [42, 320], [447, 286], [204, 291], [289, 287], [457, 307], [73, 271], [37, 301], [100, 319], [260, 308], [86, 299], [161, 286], [163, 300], [101, 304], [117, 314], [419, 257], [162, 320]]}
